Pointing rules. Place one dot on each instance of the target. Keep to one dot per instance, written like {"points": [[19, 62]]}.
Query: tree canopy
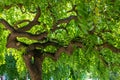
{"points": [[60, 39]]}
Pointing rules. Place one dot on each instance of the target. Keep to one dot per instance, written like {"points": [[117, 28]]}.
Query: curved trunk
{"points": [[35, 69]]}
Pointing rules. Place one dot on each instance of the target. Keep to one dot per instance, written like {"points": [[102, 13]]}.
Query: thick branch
{"points": [[38, 14], [29, 26], [13, 43], [32, 23], [31, 36], [20, 22], [111, 47], [68, 50], [41, 45], [33, 69], [7, 25], [65, 20]]}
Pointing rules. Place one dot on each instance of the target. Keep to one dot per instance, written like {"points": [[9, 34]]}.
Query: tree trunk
{"points": [[35, 68]]}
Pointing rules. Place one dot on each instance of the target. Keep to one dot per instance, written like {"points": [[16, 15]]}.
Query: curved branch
{"points": [[41, 45], [32, 23], [56, 55], [29, 26], [38, 14], [13, 43], [65, 20], [68, 50], [31, 36], [111, 47], [20, 22], [7, 25]]}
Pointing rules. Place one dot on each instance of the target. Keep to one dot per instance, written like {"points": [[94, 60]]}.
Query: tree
{"points": [[40, 29]]}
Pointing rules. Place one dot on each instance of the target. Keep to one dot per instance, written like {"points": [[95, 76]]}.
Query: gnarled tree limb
{"points": [[31, 36], [32, 23], [20, 22], [60, 21], [7, 25], [111, 47]]}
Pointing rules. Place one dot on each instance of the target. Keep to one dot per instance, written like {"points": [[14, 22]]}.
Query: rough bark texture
{"points": [[34, 57], [35, 68]]}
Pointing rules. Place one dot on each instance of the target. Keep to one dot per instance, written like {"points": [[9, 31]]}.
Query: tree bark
{"points": [[35, 68]]}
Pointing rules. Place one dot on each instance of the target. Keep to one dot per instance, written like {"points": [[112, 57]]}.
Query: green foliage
{"points": [[101, 15], [3, 38], [50, 49], [9, 68], [20, 66], [26, 40]]}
